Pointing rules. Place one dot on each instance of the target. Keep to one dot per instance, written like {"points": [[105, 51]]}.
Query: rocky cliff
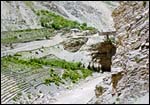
{"points": [[131, 85]]}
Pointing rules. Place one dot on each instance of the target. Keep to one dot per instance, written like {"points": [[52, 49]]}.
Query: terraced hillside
{"points": [[11, 85], [31, 59], [44, 52], [19, 75]]}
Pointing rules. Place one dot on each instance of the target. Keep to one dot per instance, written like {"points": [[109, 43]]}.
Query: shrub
{"points": [[16, 60], [70, 71], [72, 75], [52, 20], [84, 24], [86, 72], [54, 78]]}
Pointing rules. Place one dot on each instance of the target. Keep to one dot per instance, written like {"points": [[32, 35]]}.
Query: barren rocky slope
{"points": [[130, 85], [17, 15]]}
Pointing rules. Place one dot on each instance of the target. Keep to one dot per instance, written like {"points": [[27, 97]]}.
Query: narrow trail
{"points": [[27, 46], [80, 94], [34, 45]]}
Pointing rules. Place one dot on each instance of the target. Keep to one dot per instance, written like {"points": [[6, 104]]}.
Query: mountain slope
{"points": [[21, 15], [16, 15]]}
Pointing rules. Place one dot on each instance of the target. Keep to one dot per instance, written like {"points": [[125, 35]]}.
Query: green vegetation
{"points": [[86, 73], [57, 63], [17, 54], [13, 60], [15, 98], [54, 78], [52, 20], [19, 94], [107, 41], [68, 74], [29, 96], [25, 35], [49, 20], [71, 74], [99, 91], [138, 32], [110, 40], [117, 99], [72, 71]]}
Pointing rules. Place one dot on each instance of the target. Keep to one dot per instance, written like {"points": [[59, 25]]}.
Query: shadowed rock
{"points": [[74, 44], [103, 53]]}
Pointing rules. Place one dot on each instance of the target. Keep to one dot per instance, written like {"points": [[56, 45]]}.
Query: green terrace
{"points": [[71, 71], [26, 35]]}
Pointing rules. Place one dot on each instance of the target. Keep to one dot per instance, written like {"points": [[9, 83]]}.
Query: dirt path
{"points": [[33, 45], [80, 94]]}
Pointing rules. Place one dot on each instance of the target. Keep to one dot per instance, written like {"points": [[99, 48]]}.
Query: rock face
{"points": [[131, 20], [99, 91], [103, 53], [115, 78], [74, 44], [132, 23]]}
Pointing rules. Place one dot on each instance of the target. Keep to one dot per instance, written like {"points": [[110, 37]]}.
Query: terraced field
{"points": [[26, 35], [11, 85], [20, 75], [30, 64], [17, 78]]}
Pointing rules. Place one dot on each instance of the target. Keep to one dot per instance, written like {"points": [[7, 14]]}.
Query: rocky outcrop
{"points": [[132, 24], [99, 91], [103, 53], [115, 78], [74, 44], [131, 20]]}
